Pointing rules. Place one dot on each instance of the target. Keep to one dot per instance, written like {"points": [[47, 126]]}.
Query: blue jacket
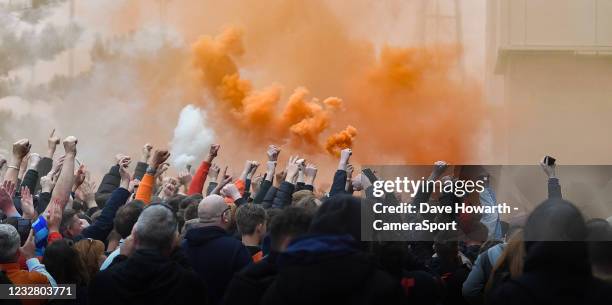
{"points": [[215, 256], [104, 223]]}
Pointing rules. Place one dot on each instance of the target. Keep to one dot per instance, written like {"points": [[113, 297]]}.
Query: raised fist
{"points": [[33, 161], [231, 190], [273, 153], [21, 148], [159, 157], [345, 154], [124, 163], [214, 150], [549, 170], [70, 144], [146, 152]]}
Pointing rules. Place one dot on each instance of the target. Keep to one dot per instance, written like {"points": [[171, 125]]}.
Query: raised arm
{"points": [[213, 175], [273, 153], [197, 183], [143, 163], [52, 143], [554, 188], [244, 176], [30, 179], [145, 188], [283, 195], [247, 182], [184, 178], [20, 149], [65, 181], [339, 183], [231, 190], [104, 223], [7, 191], [349, 176]]}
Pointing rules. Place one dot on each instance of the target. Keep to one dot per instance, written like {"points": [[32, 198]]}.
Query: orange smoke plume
{"points": [[299, 122], [343, 139], [416, 106]]}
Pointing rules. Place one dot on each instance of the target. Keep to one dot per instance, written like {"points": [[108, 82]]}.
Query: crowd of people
{"points": [[144, 236]]}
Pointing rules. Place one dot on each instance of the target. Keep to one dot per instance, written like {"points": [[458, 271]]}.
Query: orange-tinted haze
{"points": [[291, 73]]}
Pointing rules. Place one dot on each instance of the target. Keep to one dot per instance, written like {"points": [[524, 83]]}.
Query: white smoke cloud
{"points": [[24, 43], [103, 106], [191, 137]]}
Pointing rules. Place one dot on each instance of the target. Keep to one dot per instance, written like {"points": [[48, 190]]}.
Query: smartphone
{"points": [[370, 174], [550, 161]]}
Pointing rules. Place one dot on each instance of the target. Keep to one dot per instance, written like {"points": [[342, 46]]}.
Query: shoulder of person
{"points": [[35, 277]]}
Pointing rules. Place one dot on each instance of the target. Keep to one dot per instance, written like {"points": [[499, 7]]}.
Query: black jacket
{"points": [[215, 256], [147, 278], [339, 183], [330, 269], [263, 189], [110, 182], [269, 197], [282, 197], [250, 284]]}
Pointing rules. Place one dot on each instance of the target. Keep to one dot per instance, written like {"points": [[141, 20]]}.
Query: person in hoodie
{"points": [[557, 269], [249, 285], [215, 254], [329, 264], [149, 269]]}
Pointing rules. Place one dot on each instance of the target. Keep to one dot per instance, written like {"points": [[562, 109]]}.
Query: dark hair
{"points": [[555, 235], [190, 200], [338, 215], [290, 222], [126, 217], [101, 199], [67, 220], [555, 220], [175, 201], [248, 217], [187, 202], [64, 263], [272, 213], [191, 212]]}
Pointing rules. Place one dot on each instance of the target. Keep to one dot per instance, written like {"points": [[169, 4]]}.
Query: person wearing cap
{"points": [[211, 250]]}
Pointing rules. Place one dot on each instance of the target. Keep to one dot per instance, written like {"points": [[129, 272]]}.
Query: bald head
{"points": [[211, 208]]}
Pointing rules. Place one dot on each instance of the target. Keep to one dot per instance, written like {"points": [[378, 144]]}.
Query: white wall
{"points": [[549, 67]]}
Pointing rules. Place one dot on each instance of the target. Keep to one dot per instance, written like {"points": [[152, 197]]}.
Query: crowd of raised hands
{"points": [[233, 229], [48, 184]]}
